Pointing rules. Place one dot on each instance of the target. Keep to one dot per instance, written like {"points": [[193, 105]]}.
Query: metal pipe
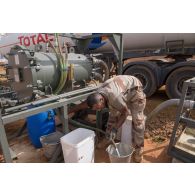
{"points": [[98, 76], [103, 66]]}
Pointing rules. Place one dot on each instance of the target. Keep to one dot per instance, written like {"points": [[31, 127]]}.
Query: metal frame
{"points": [[175, 49], [53, 102], [180, 118], [116, 40]]}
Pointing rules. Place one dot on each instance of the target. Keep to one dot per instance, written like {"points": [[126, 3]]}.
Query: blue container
{"points": [[39, 125]]}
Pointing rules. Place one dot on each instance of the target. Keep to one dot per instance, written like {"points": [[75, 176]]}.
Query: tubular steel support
{"points": [[4, 142], [117, 41], [65, 119]]}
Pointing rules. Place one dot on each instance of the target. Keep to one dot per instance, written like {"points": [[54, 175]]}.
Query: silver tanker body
{"points": [[142, 41], [176, 67]]}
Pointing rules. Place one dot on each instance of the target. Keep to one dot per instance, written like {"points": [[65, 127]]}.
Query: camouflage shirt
{"points": [[117, 91]]}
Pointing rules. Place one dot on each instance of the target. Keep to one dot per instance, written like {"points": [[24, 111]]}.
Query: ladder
{"points": [[183, 147]]}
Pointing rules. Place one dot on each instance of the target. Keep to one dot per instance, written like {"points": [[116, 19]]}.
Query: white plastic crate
{"points": [[78, 146]]}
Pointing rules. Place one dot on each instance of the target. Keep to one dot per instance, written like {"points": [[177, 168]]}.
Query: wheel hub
{"points": [[142, 79]]}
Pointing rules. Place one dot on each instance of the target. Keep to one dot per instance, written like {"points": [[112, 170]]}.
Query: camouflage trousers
{"points": [[136, 106]]}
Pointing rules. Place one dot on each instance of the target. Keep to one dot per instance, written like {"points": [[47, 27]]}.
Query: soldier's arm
{"points": [[119, 104], [78, 107], [124, 113], [112, 121]]}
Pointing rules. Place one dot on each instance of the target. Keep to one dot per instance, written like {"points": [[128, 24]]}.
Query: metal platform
{"points": [[183, 147], [186, 141], [60, 102]]}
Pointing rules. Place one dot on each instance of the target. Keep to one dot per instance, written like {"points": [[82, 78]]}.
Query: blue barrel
{"points": [[39, 125]]}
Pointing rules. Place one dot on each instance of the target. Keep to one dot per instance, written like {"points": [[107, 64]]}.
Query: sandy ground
{"points": [[26, 153], [154, 151]]}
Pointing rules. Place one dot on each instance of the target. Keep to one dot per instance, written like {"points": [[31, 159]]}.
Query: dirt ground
{"points": [[156, 141]]}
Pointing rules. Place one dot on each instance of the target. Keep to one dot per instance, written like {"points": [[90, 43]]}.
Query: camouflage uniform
{"points": [[126, 91]]}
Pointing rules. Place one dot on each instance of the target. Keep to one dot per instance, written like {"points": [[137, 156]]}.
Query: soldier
{"points": [[124, 96]]}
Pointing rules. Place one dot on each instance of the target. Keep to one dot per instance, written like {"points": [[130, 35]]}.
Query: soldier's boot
{"points": [[138, 155]]}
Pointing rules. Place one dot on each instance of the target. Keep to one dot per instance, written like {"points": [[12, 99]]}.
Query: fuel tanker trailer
{"points": [[157, 59]]}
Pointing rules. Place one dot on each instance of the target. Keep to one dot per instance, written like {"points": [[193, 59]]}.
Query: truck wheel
{"points": [[146, 77], [174, 82]]}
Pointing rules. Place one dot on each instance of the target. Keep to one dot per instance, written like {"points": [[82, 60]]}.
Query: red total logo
{"points": [[34, 39]]}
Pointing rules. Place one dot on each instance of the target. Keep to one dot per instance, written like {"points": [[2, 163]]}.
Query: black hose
{"points": [[78, 124]]}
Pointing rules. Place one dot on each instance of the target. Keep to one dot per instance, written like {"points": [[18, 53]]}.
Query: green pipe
{"points": [[63, 65], [61, 69]]}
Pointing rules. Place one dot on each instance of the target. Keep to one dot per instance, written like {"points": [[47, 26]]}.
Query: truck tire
{"points": [[146, 77], [175, 81]]}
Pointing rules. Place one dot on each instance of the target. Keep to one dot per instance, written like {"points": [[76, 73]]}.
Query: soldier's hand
{"points": [[111, 133], [108, 131]]}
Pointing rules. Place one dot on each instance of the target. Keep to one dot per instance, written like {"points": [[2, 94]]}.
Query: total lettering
{"points": [[34, 39]]}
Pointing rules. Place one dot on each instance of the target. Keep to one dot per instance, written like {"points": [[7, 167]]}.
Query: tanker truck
{"points": [[157, 59]]}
